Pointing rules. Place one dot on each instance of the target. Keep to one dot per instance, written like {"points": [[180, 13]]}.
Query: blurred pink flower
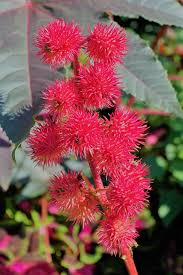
{"points": [[140, 224], [85, 270], [20, 266], [4, 270], [40, 268], [153, 138], [4, 241], [53, 208], [85, 232], [25, 206]]}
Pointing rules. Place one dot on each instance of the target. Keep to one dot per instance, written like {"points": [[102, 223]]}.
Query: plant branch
{"points": [[129, 262], [159, 35], [175, 77], [97, 179], [148, 111], [44, 214], [76, 65], [131, 101], [96, 175], [88, 183]]}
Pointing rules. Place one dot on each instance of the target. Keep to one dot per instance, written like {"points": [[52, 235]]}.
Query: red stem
{"points": [[88, 183], [99, 185], [159, 35], [175, 77], [44, 214], [76, 65], [148, 111], [96, 175], [131, 101], [129, 262], [97, 179]]}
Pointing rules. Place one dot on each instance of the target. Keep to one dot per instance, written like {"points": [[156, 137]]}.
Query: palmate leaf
{"points": [[145, 78], [37, 177], [23, 76], [6, 162], [168, 12]]}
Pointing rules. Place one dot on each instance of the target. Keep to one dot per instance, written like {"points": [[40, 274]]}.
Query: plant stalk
{"points": [[97, 180], [44, 214], [129, 262], [96, 175]]}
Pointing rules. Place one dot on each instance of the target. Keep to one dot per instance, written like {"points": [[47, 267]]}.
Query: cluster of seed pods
{"points": [[74, 123]]}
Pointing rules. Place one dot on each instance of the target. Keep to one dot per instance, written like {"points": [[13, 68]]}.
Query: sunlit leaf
{"points": [[145, 78]]}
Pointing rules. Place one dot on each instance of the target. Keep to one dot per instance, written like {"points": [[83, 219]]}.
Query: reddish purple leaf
{"points": [[6, 162], [23, 75]]}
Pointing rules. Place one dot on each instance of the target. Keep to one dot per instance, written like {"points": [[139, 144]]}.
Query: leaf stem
{"points": [[159, 35], [148, 111], [175, 77], [76, 65], [88, 183], [97, 179], [131, 101], [96, 175]]}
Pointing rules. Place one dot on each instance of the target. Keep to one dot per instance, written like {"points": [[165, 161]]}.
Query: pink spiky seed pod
{"points": [[110, 156], [125, 125], [82, 132], [58, 42], [98, 86], [70, 193], [115, 233], [45, 143], [107, 43], [128, 192], [61, 98]]}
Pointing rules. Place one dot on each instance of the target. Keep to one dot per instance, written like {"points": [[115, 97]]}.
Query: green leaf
{"points": [[87, 258], [170, 151], [145, 78], [176, 167], [171, 204], [14, 152], [157, 166]]}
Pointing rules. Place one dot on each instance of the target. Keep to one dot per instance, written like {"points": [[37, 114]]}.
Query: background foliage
{"points": [[155, 54]]}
